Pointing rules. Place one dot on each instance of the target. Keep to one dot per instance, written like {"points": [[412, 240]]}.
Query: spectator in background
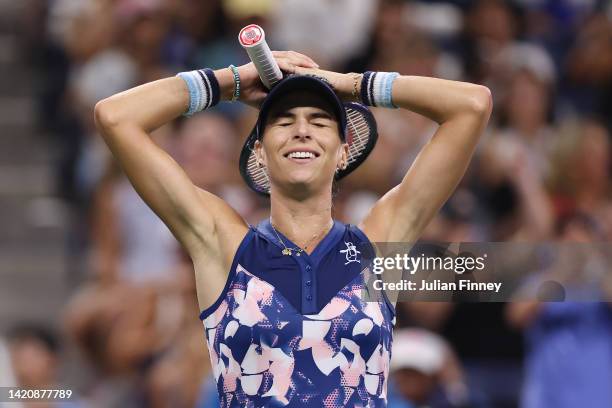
{"points": [[525, 103], [581, 176], [342, 27], [34, 355], [514, 162], [7, 376], [35, 360], [129, 333], [512, 193], [143, 29], [589, 68], [425, 372], [219, 48], [569, 341], [490, 27]]}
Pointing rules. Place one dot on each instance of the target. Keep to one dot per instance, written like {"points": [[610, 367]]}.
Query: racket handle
{"points": [[253, 40]]}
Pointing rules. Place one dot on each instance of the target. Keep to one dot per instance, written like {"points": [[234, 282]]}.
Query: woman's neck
{"points": [[301, 220]]}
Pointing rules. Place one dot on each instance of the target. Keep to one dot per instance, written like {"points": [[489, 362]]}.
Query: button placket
{"points": [[307, 289], [308, 283]]}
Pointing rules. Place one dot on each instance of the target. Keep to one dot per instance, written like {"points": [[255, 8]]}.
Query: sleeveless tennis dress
{"points": [[296, 331]]}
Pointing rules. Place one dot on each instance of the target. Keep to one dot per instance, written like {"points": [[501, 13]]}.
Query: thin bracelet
{"points": [[236, 94], [355, 93]]}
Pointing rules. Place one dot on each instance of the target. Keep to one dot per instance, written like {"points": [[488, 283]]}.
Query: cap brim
{"points": [[305, 83]]}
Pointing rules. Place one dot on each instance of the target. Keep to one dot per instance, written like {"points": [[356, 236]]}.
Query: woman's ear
{"points": [[260, 154], [343, 162]]}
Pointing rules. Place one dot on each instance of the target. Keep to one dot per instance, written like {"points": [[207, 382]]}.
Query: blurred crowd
{"points": [[130, 335]]}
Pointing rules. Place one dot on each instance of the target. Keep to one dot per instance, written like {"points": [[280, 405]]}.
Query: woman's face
{"points": [[301, 147], [592, 157], [527, 103]]}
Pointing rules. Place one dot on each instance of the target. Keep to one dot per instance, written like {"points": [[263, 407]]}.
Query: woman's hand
{"points": [[252, 90], [347, 86]]}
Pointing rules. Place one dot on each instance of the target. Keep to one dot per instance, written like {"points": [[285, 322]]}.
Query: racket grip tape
{"points": [[253, 40]]}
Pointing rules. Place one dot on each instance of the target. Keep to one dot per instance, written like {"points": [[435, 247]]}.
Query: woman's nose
{"points": [[302, 129]]}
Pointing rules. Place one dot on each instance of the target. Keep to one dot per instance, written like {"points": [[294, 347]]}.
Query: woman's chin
{"points": [[300, 176], [301, 182]]}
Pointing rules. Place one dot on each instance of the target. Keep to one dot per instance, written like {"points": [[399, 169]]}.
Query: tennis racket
{"points": [[361, 131]]}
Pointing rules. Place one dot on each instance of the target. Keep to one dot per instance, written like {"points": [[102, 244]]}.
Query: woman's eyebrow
{"points": [[282, 115], [287, 114], [321, 115]]}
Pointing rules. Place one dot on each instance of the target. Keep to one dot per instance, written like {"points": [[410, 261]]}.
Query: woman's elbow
{"points": [[481, 101], [105, 116]]}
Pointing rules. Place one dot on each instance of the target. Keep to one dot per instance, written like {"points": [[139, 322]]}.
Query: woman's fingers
{"points": [[286, 66], [291, 68], [295, 58], [303, 60]]}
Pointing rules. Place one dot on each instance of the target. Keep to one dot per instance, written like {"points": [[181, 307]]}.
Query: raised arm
{"points": [[462, 111], [125, 121]]}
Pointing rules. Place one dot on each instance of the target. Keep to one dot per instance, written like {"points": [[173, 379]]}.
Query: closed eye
{"points": [[321, 119]]}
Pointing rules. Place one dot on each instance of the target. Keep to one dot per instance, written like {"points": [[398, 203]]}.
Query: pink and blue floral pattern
{"points": [[265, 353]]}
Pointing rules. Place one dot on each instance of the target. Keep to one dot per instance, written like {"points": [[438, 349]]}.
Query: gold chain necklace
{"points": [[289, 251]]}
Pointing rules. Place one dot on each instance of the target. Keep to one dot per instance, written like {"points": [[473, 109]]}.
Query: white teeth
{"points": [[301, 155]]}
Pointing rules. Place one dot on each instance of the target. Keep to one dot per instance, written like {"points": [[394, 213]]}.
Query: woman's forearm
{"points": [[147, 106], [153, 104], [440, 99]]}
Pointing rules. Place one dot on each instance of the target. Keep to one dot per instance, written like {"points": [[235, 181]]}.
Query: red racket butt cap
{"points": [[251, 35]]}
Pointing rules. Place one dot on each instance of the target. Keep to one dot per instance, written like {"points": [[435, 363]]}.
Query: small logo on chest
{"points": [[351, 253]]}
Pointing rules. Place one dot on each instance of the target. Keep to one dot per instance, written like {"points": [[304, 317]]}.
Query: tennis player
{"points": [[281, 302]]}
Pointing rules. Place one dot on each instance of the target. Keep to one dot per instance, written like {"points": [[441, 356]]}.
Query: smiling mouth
{"points": [[301, 156]]}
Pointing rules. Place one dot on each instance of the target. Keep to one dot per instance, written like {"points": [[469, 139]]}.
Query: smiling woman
{"points": [[311, 98], [300, 138], [281, 302]]}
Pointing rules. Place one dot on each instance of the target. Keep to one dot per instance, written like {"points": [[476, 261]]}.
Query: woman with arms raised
{"points": [[282, 302]]}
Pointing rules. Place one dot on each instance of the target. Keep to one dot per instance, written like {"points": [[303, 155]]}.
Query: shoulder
{"points": [[356, 232]]}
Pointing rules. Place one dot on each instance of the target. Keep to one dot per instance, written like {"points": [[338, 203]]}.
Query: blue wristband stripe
{"points": [[204, 90], [387, 90], [377, 89], [194, 92]]}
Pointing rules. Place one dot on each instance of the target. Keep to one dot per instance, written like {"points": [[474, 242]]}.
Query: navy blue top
{"points": [[305, 280], [300, 331]]}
